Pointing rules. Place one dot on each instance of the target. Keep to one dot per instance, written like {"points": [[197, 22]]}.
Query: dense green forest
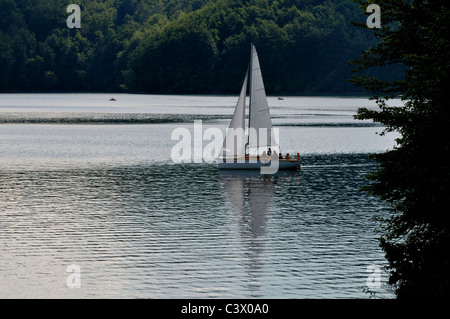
{"points": [[179, 46]]}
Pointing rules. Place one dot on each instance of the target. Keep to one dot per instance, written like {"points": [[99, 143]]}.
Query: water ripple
{"points": [[168, 231]]}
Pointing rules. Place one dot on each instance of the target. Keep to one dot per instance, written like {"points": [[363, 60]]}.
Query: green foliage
{"points": [[414, 177], [7, 60], [178, 46]]}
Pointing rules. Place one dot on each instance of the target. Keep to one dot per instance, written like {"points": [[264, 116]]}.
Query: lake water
{"points": [[91, 198]]}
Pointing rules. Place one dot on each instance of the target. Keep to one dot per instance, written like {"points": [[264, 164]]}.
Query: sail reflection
{"points": [[250, 196]]}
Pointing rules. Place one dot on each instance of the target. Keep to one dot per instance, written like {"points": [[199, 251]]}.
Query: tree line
{"points": [[179, 46], [414, 177]]}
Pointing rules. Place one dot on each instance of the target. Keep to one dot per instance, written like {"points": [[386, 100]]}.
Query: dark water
{"points": [[169, 231], [91, 185]]}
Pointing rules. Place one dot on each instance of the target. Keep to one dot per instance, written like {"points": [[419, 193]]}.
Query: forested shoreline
{"points": [[179, 46]]}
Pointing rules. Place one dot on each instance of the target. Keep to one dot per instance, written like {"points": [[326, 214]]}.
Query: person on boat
{"points": [[280, 156], [287, 156], [269, 152]]}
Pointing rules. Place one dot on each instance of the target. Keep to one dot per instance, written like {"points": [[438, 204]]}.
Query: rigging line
{"points": [[290, 138]]}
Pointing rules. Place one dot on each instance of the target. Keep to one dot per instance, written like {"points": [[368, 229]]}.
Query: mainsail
{"points": [[260, 125]]}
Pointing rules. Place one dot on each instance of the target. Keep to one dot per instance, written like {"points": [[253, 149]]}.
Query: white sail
{"points": [[260, 125], [234, 142], [261, 135]]}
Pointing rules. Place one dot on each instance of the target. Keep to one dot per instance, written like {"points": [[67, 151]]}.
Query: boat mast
{"points": [[250, 93]]}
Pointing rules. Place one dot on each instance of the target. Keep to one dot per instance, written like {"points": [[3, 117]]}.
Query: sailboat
{"points": [[261, 150]]}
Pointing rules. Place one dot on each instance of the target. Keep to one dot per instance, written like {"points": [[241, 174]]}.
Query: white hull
{"points": [[251, 164]]}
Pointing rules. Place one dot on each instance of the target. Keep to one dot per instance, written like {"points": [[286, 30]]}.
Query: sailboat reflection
{"points": [[250, 195]]}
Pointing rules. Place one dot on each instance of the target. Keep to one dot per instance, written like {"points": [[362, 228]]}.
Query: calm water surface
{"points": [[91, 183]]}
